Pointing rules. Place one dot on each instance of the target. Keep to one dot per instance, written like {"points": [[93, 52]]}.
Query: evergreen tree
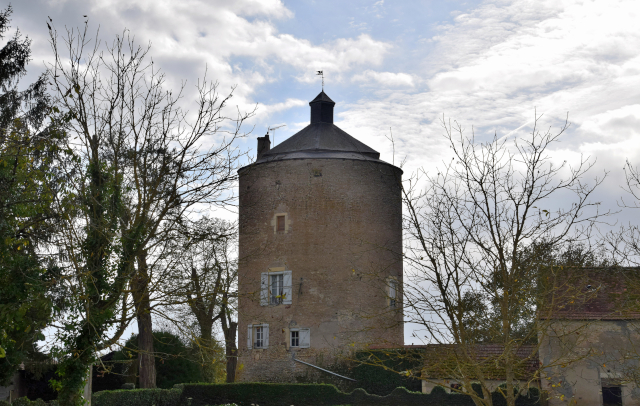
{"points": [[30, 180]]}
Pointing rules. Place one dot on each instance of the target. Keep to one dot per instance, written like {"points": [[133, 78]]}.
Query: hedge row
{"points": [[137, 397], [269, 394], [24, 401]]}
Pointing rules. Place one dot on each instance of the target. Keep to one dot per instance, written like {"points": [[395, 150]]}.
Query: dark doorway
{"points": [[611, 395]]}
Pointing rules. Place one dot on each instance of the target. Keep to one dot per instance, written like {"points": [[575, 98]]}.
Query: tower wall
{"points": [[342, 243]]}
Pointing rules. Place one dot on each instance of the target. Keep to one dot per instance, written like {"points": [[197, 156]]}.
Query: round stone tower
{"points": [[320, 268]]}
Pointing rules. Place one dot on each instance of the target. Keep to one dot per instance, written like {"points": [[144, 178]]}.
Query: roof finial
{"points": [[321, 73]]}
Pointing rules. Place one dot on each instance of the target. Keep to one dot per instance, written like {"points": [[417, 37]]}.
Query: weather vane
{"points": [[321, 73]]}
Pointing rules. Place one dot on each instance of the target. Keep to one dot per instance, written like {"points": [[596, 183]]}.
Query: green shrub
{"points": [[266, 394], [375, 379], [245, 394], [438, 391], [402, 391], [271, 394], [534, 392], [137, 397], [24, 401], [175, 362]]}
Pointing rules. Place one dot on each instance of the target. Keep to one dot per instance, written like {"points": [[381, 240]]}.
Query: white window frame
{"points": [[276, 297], [304, 337], [265, 287], [252, 335]]}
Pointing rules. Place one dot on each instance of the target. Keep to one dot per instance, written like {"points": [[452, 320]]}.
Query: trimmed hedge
{"points": [[271, 394], [263, 394], [137, 397], [24, 401]]}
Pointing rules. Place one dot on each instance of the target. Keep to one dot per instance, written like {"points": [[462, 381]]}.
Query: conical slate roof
{"points": [[320, 139], [322, 96]]}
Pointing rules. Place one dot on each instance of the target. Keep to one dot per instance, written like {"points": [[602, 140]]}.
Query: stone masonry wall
{"points": [[342, 243], [582, 356]]}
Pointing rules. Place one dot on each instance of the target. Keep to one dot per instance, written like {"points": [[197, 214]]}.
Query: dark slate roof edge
{"points": [[318, 151], [317, 156]]}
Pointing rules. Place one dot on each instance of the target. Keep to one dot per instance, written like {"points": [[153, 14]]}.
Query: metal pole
{"points": [[323, 370]]}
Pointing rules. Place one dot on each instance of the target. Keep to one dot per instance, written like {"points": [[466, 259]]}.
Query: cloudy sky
{"points": [[397, 65]]}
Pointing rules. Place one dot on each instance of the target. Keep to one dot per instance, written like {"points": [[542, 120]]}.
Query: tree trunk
{"points": [[147, 363], [207, 349], [510, 375], [232, 351]]}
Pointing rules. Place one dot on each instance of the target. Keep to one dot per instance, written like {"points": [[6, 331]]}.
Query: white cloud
{"points": [[493, 65], [265, 111], [216, 32], [386, 79], [613, 130], [238, 42]]}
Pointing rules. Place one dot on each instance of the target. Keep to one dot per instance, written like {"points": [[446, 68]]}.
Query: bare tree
{"points": [[624, 244], [204, 287], [468, 231], [125, 125]]}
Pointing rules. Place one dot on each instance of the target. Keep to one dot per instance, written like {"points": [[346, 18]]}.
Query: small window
{"points": [[280, 223], [300, 338], [259, 337], [277, 289], [393, 292], [611, 395], [295, 338]]}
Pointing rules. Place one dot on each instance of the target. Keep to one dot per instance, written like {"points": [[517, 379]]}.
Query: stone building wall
{"points": [[583, 356], [341, 242]]}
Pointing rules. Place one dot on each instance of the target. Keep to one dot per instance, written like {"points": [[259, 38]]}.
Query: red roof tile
{"points": [[603, 294], [440, 359]]}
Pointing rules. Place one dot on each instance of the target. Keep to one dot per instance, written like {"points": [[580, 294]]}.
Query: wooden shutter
{"points": [[264, 289], [249, 336], [265, 335], [280, 222], [305, 338], [286, 287]]}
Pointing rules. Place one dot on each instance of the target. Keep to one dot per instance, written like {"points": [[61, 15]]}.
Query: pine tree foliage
{"points": [[30, 179]]}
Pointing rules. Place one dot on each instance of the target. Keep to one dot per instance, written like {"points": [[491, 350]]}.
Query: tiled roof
{"points": [[611, 293], [442, 361]]}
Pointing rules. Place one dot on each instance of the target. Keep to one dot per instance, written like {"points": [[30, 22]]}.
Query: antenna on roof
{"points": [[272, 130], [321, 73]]}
